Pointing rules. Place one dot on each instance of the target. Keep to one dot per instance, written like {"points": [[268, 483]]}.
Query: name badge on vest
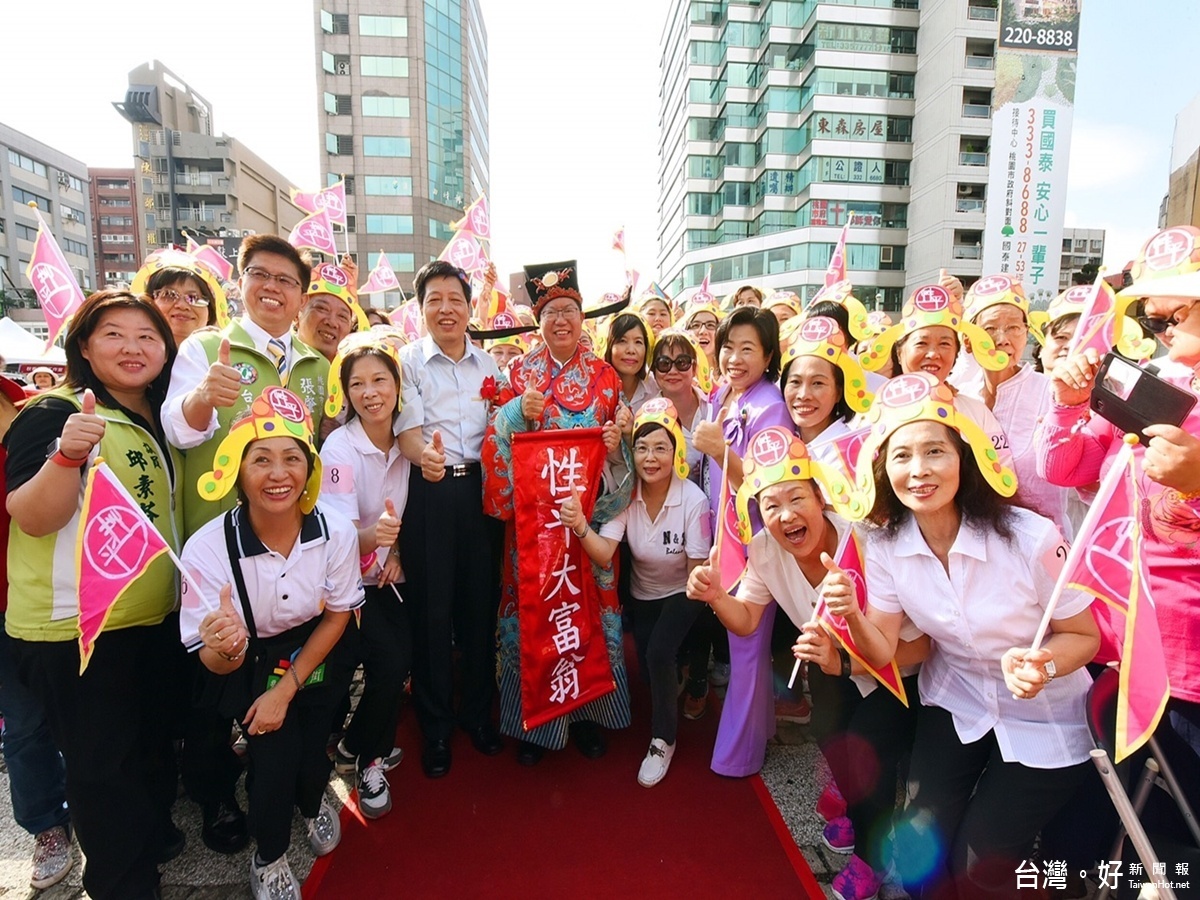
{"points": [[247, 374]]}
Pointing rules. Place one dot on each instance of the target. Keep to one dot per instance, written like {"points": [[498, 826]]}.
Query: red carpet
{"points": [[569, 827]]}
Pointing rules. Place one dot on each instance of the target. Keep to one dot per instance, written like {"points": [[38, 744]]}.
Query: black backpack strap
{"points": [[235, 563]]}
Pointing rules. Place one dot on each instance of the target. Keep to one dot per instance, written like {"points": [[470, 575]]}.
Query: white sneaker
{"points": [[274, 881], [324, 831], [392, 760], [657, 761], [374, 798], [344, 762], [51, 857]]}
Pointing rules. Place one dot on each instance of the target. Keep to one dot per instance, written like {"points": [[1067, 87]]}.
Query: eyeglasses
{"points": [[566, 314], [1159, 324], [682, 363], [166, 295], [287, 282], [995, 332], [702, 326], [640, 449]]}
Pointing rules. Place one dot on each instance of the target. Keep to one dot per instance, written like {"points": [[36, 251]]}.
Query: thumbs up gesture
{"points": [[433, 459], [952, 285], [838, 590], [703, 583], [533, 404], [82, 431], [571, 512], [221, 384], [222, 630], [387, 529]]}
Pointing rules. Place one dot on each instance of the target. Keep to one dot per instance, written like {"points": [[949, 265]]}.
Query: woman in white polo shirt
{"points": [[1001, 742], [668, 531], [366, 479], [287, 576]]}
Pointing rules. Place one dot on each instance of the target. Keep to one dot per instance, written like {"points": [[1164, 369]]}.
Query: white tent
{"points": [[19, 346]]}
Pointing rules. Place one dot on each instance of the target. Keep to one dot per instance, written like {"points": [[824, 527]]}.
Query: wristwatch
{"points": [[1050, 670], [56, 456]]}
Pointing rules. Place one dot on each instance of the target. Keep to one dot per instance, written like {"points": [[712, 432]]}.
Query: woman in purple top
{"points": [[746, 403]]}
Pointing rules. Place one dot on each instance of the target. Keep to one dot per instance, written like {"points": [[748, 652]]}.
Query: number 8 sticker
{"points": [[338, 480]]}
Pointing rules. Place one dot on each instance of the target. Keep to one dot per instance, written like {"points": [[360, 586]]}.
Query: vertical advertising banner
{"points": [[1031, 143]]}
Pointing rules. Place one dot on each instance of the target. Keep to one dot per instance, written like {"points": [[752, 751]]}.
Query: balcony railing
{"points": [[981, 62], [976, 111], [967, 158], [968, 206], [964, 251]]}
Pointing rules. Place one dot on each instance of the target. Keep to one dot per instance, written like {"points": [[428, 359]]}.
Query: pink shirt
{"points": [[1075, 448]]}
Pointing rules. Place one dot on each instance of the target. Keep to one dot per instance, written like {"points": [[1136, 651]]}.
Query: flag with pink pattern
{"points": [[477, 221], [382, 278], [314, 232], [332, 199], [58, 293], [1097, 326], [210, 258], [837, 263], [116, 544], [465, 251]]}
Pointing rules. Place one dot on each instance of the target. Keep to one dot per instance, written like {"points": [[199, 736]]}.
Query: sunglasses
{"points": [[1159, 324], [682, 363]]}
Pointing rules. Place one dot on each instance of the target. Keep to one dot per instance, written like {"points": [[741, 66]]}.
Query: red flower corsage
{"points": [[489, 390]]}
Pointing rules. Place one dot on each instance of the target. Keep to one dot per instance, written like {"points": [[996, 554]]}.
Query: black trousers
{"points": [[659, 628], [208, 766], [113, 727], [450, 550], [289, 767], [972, 817], [383, 643]]}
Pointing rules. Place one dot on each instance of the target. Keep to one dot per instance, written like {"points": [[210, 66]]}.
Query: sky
{"points": [[573, 106]]}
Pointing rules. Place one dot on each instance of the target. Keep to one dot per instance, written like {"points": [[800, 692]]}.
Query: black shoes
{"points": [[589, 739], [224, 828], [529, 754], [485, 739], [435, 761], [173, 842]]}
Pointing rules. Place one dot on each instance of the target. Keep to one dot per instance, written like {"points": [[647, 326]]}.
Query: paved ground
{"points": [[792, 771]]}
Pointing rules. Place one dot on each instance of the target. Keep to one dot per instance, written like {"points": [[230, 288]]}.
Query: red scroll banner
{"points": [[564, 660]]}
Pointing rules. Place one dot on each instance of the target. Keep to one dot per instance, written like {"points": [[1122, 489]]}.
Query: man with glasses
{"points": [[216, 377], [449, 548]]}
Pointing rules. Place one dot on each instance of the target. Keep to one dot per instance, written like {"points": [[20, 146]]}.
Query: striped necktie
{"points": [[278, 350]]}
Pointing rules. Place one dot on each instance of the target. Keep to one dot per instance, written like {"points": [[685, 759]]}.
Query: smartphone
{"points": [[1133, 398]]}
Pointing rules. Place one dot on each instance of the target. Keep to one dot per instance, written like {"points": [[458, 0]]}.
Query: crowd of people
{"points": [[342, 495]]}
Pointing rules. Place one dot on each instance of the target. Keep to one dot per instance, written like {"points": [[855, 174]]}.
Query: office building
{"points": [[403, 116], [1181, 206], [114, 225], [1080, 247], [189, 178]]}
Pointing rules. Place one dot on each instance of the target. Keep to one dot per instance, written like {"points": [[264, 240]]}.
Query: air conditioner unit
{"points": [[343, 68], [965, 189], [64, 179]]}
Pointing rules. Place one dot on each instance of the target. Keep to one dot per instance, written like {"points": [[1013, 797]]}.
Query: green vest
{"points": [[306, 378], [43, 601]]}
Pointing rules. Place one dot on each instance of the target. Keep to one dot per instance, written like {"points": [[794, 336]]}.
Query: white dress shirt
{"points": [[992, 600], [358, 477], [189, 369], [1021, 401], [320, 572], [443, 395], [662, 547]]}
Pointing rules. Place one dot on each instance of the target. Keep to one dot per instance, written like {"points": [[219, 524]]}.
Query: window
{"points": [[1097, 246], [440, 230], [25, 198], [335, 23], [389, 107], [705, 166], [114, 201], [339, 144], [21, 161], [389, 224], [25, 232], [736, 193], [351, 223], [705, 53], [387, 186], [400, 262], [331, 179], [70, 182], [384, 66], [383, 26], [69, 213], [106, 184], [378, 145], [337, 104], [335, 64], [76, 247], [1, 226], [703, 204], [116, 238]]}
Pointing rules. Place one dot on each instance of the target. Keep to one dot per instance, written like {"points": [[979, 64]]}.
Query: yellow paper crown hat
{"points": [[335, 397], [704, 375], [661, 411], [276, 412], [917, 397], [821, 337], [929, 305], [1131, 340], [333, 280], [842, 293], [776, 455], [650, 297], [1000, 290], [177, 259], [1168, 265], [784, 298]]}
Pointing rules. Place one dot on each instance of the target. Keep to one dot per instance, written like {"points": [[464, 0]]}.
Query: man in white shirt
{"points": [[449, 547]]}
